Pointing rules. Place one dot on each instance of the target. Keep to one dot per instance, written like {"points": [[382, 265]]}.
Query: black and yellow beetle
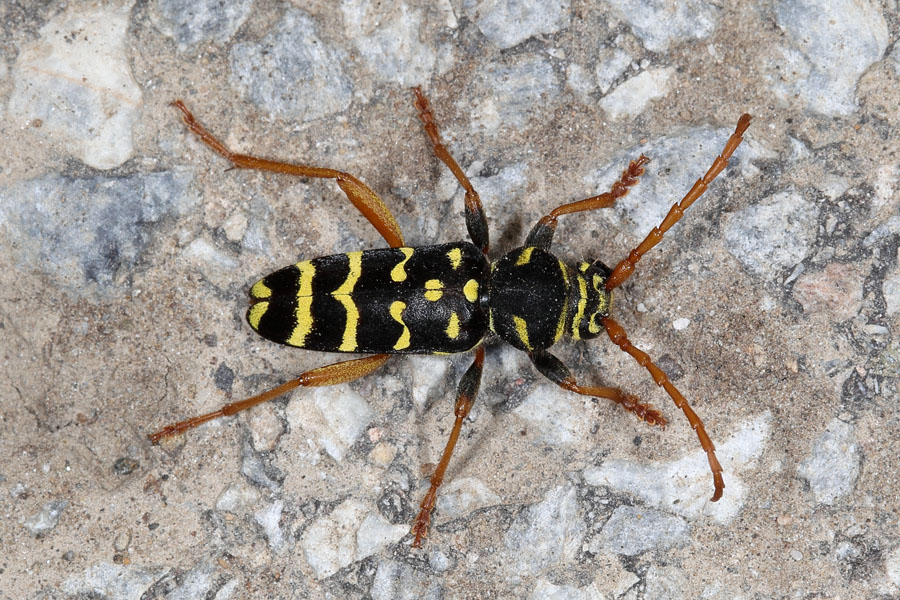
{"points": [[447, 298]]}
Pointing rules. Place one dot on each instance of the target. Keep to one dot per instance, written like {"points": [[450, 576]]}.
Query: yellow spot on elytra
{"points": [[525, 256], [470, 290], [398, 273], [344, 295], [583, 266], [452, 330], [303, 312], [434, 289], [522, 331], [582, 304], [397, 308], [256, 313], [260, 290], [561, 324], [455, 256], [565, 272]]}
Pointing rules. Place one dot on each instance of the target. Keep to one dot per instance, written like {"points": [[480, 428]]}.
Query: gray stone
{"points": [[632, 530], [106, 580], [46, 520], [677, 160], [391, 44], [508, 23], [291, 72], [832, 45], [84, 231], [400, 581], [547, 533], [660, 25], [191, 22], [775, 234], [517, 91], [80, 87], [833, 466]]}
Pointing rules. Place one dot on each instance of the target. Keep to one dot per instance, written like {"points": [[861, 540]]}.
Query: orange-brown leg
{"points": [[359, 194], [476, 221], [625, 268], [341, 372], [556, 371], [620, 339], [541, 234], [468, 389]]}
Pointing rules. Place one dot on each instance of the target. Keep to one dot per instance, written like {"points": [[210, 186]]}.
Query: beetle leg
{"points": [[556, 371], [541, 234], [626, 267], [476, 221], [468, 389], [340, 372], [620, 339], [360, 195]]}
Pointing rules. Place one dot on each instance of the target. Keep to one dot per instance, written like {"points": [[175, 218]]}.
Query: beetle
{"points": [[448, 298]]}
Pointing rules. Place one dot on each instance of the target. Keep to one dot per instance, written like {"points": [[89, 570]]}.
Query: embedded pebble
{"points": [[633, 530], [545, 590], [833, 466], [86, 230], [661, 24], [837, 290], [508, 23], [105, 580], [235, 227], [776, 233], [390, 43], [199, 582], [547, 533], [291, 72], [891, 290], [351, 532], [831, 45], [611, 64], [191, 22], [76, 80], [269, 520], [665, 583], [632, 97], [463, 495], [334, 416], [401, 581], [46, 520], [552, 416], [205, 253], [683, 486], [681, 324], [236, 498], [516, 93]]}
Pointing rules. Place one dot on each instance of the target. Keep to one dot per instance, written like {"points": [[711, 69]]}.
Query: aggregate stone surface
{"points": [[773, 305]]}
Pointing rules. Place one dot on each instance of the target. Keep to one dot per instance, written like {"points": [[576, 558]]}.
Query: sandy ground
{"points": [[129, 250]]}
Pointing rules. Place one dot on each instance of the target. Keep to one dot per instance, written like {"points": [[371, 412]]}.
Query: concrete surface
{"points": [[128, 250]]}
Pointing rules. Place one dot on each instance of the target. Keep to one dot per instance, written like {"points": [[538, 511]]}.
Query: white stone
{"points": [[632, 97], [463, 495], [350, 533], [554, 415], [508, 23], [76, 79], [684, 486]]}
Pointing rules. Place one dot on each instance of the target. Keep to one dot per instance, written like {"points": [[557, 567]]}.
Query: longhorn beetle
{"points": [[447, 298]]}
